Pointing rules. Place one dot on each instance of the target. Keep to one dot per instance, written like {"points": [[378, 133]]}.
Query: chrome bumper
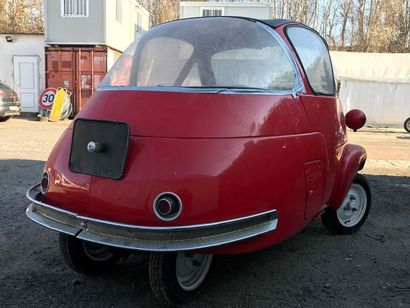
{"points": [[180, 238], [9, 111]]}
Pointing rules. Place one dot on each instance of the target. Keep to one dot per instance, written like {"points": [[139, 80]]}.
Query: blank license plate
{"points": [[99, 148]]}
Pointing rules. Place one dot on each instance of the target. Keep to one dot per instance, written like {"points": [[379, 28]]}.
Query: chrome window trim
{"points": [[203, 90]]}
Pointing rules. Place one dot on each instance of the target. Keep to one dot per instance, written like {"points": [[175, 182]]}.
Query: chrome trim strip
{"points": [[204, 90], [35, 190], [33, 213], [149, 238], [122, 225], [170, 245]]}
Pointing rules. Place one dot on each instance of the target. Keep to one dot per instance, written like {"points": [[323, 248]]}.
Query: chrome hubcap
{"points": [[191, 269], [353, 207]]}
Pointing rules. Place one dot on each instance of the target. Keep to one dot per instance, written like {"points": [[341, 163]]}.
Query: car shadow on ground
{"points": [[313, 268]]}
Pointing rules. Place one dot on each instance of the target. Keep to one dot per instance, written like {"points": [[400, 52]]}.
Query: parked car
{"points": [[217, 135], [9, 103]]}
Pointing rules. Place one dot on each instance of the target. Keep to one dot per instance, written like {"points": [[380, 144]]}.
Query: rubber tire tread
{"points": [[74, 255], [4, 119], [164, 283], [406, 125], [329, 217]]}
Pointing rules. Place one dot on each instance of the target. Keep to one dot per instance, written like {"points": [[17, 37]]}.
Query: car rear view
{"points": [[204, 138], [9, 103]]}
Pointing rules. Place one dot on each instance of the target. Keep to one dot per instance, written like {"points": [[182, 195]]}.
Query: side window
{"points": [[315, 59]]}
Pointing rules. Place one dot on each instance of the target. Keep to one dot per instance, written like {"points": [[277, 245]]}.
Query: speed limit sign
{"points": [[47, 98]]}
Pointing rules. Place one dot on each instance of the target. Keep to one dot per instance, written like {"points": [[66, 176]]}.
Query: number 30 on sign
{"points": [[47, 97]]}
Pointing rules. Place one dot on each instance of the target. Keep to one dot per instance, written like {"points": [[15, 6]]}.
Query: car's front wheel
{"points": [[87, 257], [177, 278], [351, 215]]}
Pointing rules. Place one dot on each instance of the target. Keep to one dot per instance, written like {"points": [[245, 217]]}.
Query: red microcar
{"points": [[216, 135]]}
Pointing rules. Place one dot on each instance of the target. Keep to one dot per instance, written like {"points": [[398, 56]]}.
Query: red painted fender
{"points": [[353, 160]]}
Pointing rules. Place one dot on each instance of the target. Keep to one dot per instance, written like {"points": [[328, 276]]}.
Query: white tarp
{"points": [[383, 67], [385, 104], [377, 83]]}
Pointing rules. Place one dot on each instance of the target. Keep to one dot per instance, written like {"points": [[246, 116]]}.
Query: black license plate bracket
{"points": [[99, 148]]}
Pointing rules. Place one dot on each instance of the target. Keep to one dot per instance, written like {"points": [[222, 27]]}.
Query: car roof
{"points": [[274, 23]]}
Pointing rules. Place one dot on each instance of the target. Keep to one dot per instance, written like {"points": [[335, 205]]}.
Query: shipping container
{"points": [[79, 69]]}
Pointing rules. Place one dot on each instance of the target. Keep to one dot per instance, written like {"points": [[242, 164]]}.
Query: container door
{"points": [[26, 81], [91, 68]]}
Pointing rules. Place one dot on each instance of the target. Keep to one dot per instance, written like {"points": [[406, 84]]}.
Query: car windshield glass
{"points": [[212, 52]]}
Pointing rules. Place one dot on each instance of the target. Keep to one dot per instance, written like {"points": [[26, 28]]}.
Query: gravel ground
{"points": [[312, 269]]}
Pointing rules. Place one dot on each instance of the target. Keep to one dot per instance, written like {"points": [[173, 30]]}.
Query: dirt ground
{"points": [[312, 269]]}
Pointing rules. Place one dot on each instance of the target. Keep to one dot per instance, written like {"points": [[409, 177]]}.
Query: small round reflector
{"points": [[167, 206], [44, 183]]}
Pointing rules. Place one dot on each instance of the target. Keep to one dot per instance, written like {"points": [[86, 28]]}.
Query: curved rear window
{"points": [[205, 53]]}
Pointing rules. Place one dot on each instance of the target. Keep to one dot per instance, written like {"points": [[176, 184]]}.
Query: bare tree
{"points": [[161, 10], [356, 25], [345, 13], [21, 16]]}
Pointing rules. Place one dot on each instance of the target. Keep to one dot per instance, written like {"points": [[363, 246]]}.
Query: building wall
{"points": [[103, 26], [120, 33], [23, 45], [188, 11], [74, 30], [253, 10], [143, 20], [112, 56]]}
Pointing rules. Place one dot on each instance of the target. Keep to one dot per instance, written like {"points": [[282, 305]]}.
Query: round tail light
{"points": [[167, 206], [45, 182]]}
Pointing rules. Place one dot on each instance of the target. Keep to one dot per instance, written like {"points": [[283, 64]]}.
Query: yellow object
{"points": [[57, 105]]}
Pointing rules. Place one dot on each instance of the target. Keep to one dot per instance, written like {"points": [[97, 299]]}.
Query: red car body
{"points": [[229, 158], [292, 157]]}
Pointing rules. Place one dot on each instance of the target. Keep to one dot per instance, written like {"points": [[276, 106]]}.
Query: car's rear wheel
{"points": [[177, 278], [4, 119], [351, 215], [87, 257], [407, 125]]}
